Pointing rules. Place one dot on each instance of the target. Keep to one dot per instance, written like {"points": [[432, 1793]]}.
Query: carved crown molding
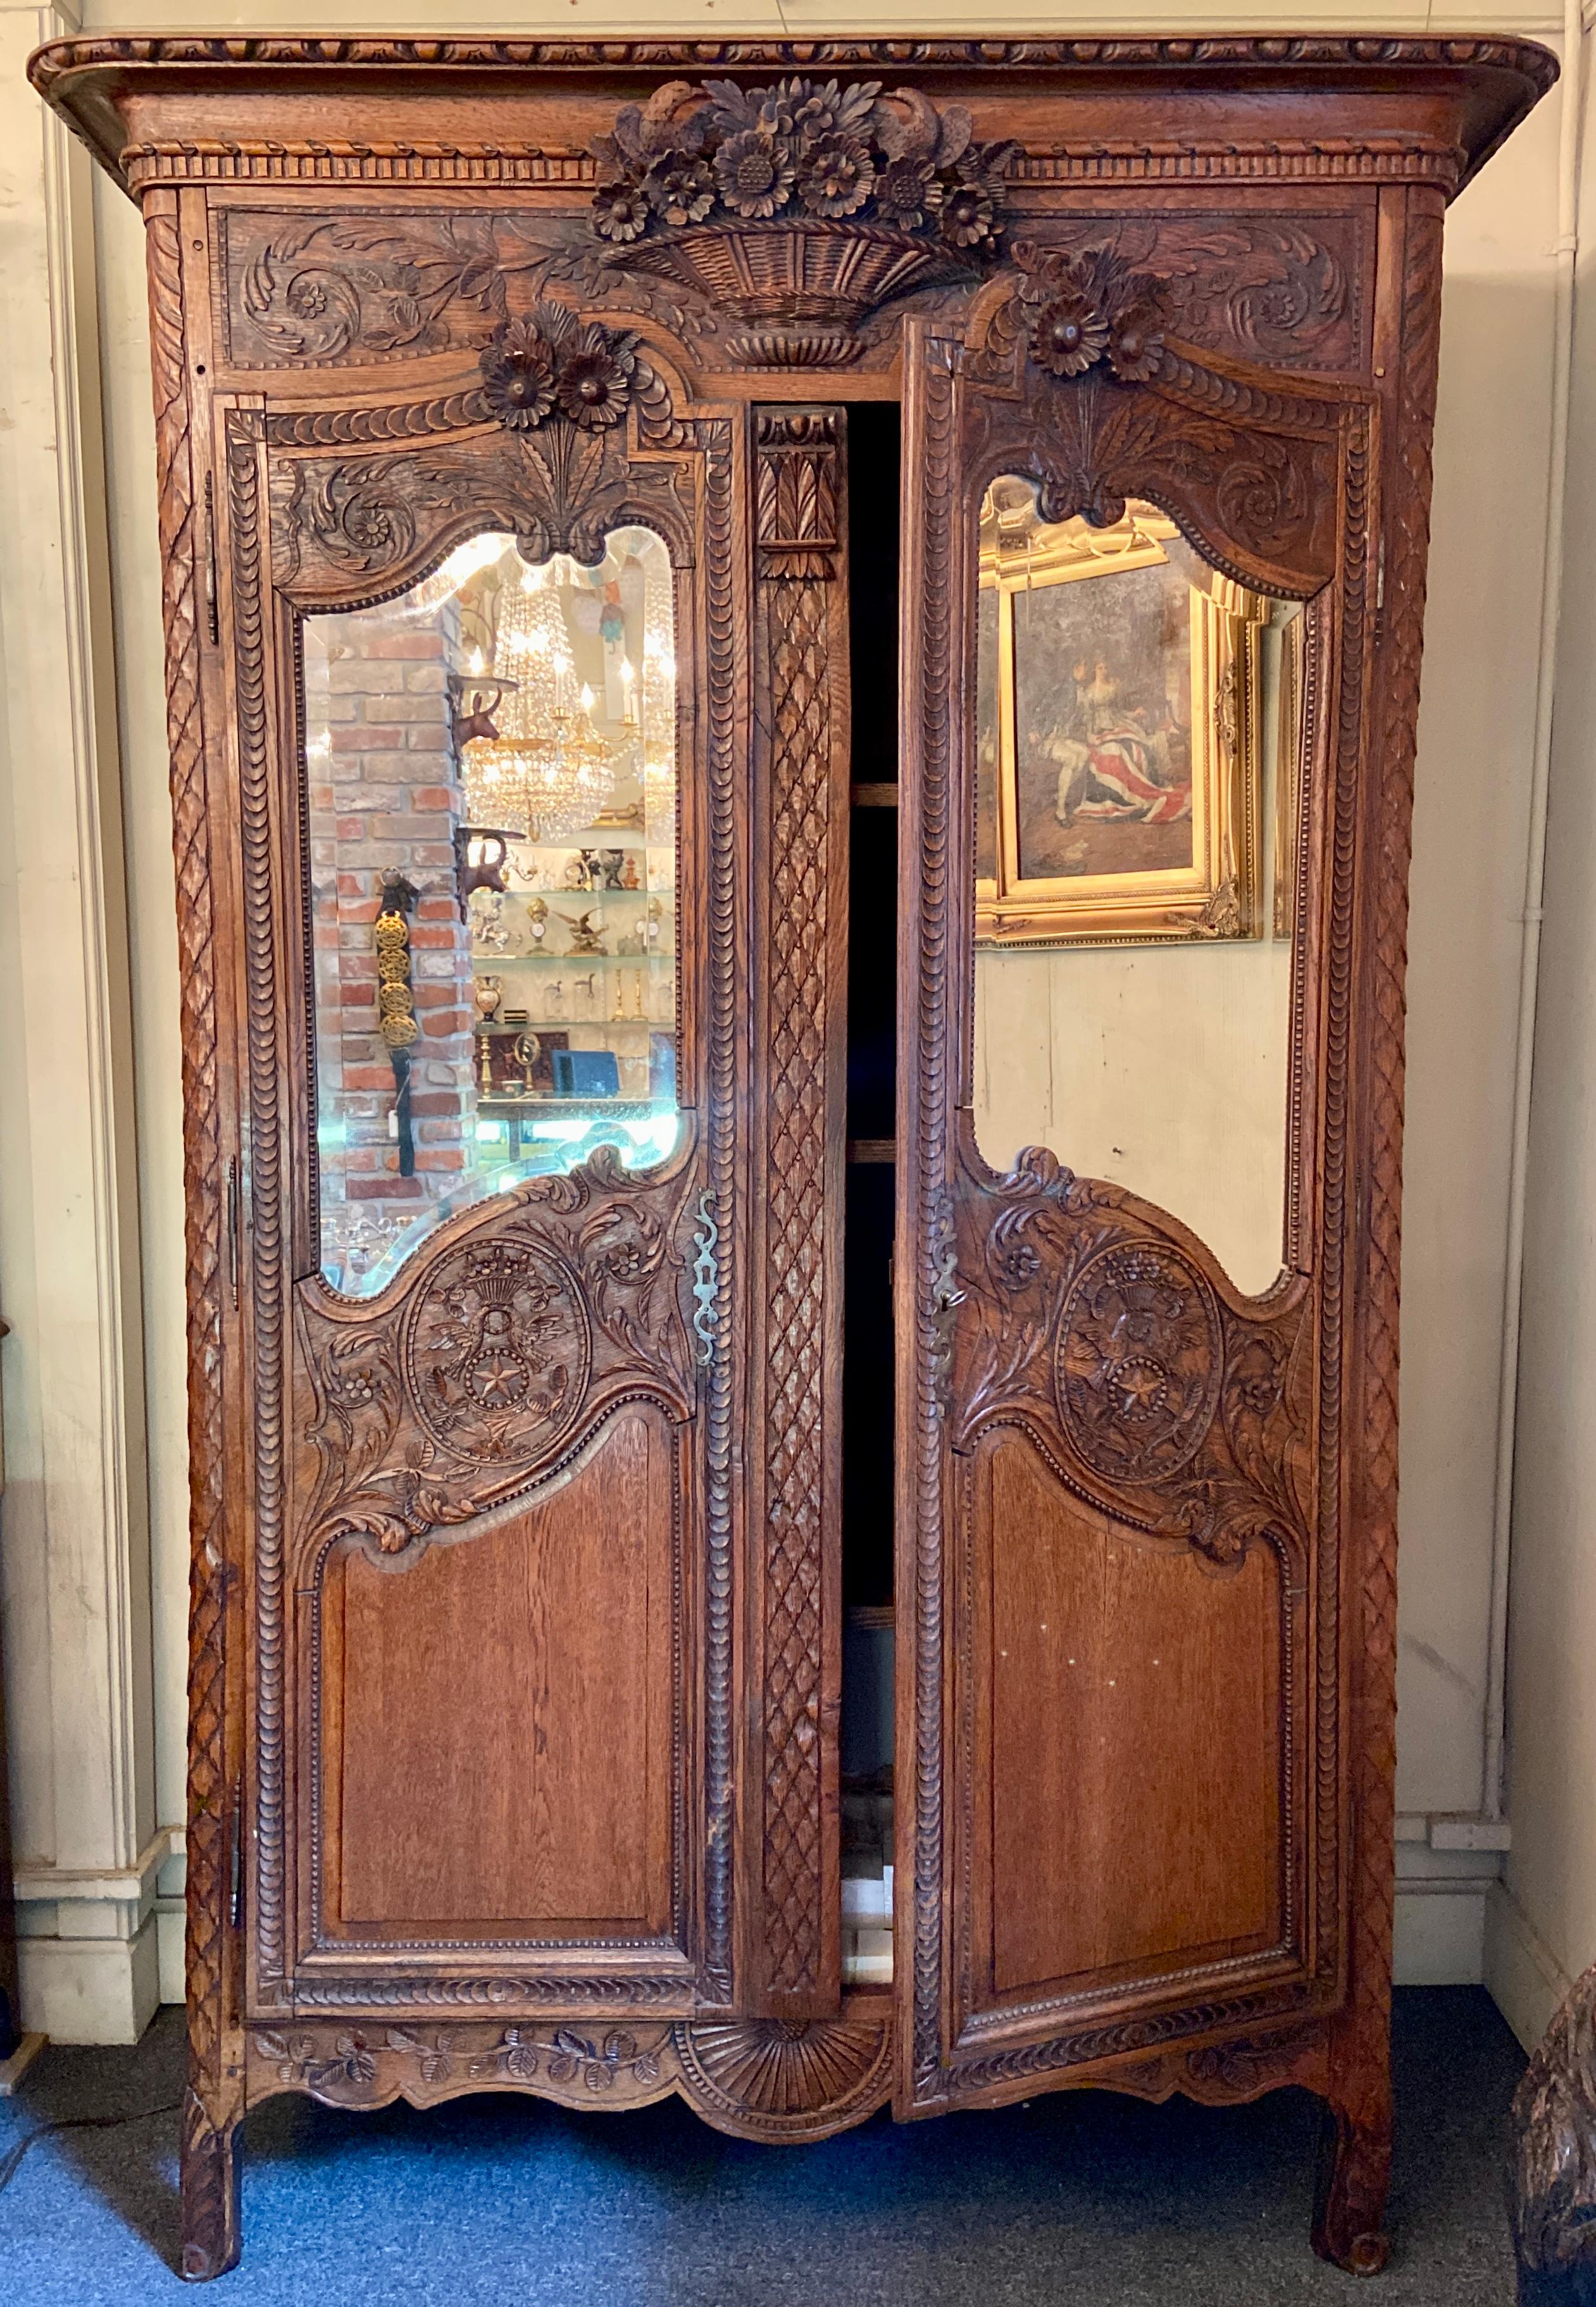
{"points": [[81, 78]]}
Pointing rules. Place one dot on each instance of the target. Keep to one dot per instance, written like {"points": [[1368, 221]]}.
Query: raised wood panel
{"points": [[1131, 1706], [500, 1714]]}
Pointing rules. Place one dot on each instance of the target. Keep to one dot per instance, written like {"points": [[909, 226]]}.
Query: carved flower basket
{"points": [[800, 290]]}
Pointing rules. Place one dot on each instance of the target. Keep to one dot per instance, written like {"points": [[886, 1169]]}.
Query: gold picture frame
{"points": [[1093, 830]]}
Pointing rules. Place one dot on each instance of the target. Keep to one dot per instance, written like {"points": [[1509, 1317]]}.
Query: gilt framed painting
{"points": [[1119, 762]]}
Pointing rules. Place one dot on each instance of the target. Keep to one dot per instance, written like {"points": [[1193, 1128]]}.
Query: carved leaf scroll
{"points": [[1274, 291], [559, 482], [1115, 407], [1085, 1323], [506, 1336], [307, 291]]}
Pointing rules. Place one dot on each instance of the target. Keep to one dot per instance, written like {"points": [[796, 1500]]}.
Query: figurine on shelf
{"points": [[613, 860], [487, 920], [591, 869], [587, 931], [538, 914], [575, 876], [556, 1001], [487, 994], [630, 877]]}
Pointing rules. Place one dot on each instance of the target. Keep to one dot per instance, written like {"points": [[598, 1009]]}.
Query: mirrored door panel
{"points": [[492, 787], [1135, 905]]}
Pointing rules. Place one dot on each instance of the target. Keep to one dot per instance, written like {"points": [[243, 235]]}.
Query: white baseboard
{"points": [[1525, 1980], [88, 1945], [168, 1936], [89, 1990], [1440, 1938]]}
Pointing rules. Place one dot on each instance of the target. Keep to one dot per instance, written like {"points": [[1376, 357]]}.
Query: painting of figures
{"points": [[1118, 762], [1102, 725]]}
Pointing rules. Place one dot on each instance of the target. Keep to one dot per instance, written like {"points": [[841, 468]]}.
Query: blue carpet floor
{"points": [[1080, 2198]]}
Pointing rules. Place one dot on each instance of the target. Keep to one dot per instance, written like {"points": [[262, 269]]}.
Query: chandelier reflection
{"points": [[542, 765]]}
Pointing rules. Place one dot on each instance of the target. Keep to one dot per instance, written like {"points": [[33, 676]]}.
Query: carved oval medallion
{"points": [[1138, 1361], [499, 1351]]}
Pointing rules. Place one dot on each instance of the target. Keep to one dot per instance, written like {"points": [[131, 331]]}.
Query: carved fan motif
{"points": [[787, 2071], [499, 1352]]}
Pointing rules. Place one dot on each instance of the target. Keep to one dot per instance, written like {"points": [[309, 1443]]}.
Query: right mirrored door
{"points": [[1114, 1588], [1134, 887]]}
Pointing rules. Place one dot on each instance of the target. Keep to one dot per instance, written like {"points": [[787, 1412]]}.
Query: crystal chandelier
{"points": [[550, 771]]}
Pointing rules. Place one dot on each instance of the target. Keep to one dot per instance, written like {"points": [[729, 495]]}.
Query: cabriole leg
{"points": [[210, 2182], [1349, 2217]]}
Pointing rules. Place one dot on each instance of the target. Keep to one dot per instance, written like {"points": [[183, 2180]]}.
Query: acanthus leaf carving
{"points": [[307, 291], [1114, 407], [1267, 289], [559, 481], [503, 1341]]}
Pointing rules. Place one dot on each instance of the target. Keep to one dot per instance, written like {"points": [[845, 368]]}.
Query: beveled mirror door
{"points": [[492, 793], [1109, 1165], [1138, 751]]}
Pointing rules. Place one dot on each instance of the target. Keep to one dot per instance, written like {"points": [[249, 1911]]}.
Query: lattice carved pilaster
{"points": [[801, 637]]}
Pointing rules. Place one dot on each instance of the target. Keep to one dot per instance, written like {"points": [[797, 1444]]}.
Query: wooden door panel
{"points": [[1113, 1456], [499, 1733], [1127, 1704], [417, 1760]]}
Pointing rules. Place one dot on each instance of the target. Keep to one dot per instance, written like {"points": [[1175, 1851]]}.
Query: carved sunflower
{"points": [[620, 213], [680, 189], [593, 383], [756, 174], [1135, 344], [777, 106], [968, 216], [517, 377], [1067, 334], [837, 178], [907, 193]]}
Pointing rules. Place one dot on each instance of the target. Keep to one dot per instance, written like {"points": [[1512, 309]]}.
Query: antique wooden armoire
{"points": [[641, 864]]}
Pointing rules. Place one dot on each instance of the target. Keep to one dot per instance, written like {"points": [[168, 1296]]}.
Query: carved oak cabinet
{"points": [[555, 669]]}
